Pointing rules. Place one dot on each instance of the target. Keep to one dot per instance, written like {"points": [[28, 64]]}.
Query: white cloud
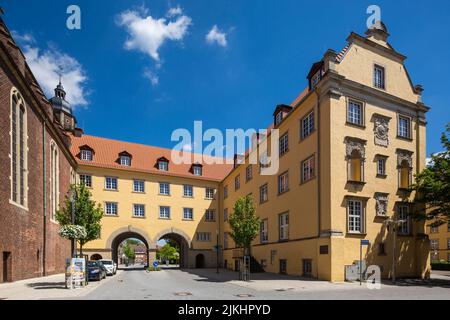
{"points": [[23, 38], [45, 66], [150, 75], [147, 34], [175, 12], [216, 36], [187, 147]]}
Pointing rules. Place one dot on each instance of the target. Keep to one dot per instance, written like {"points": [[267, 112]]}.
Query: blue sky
{"points": [[257, 57]]}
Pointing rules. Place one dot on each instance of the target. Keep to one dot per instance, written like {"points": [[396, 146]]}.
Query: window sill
{"points": [[356, 182], [209, 199], [358, 234], [137, 217], [164, 218], [111, 215], [404, 138], [138, 192], [187, 219], [188, 197], [284, 192], [163, 195], [382, 176], [359, 126], [283, 240], [379, 216], [18, 205], [114, 190]]}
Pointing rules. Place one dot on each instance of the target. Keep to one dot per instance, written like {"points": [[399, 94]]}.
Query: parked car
{"points": [[111, 266], [96, 270]]}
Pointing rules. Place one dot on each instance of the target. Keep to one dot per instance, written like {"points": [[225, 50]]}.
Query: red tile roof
{"points": [[144, 158]]}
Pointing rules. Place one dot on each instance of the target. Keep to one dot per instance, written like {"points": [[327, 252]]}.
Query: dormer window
{"points": [[163, 164], [278, 118], [86, 155], [125, 161], [315, 79], [197, 170]]}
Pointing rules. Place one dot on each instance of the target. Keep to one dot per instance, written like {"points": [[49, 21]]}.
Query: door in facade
{"points": [[200, 261], [7, 266], [236, 265], [307, 267]]}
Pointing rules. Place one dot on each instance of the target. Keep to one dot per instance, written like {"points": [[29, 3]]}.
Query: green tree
{"points": [[87, 213], [128, 251], [433, 186], [244, 223], [168, 252]]}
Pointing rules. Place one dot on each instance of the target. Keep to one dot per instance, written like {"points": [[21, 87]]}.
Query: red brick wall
{"points": [[22, 231]]}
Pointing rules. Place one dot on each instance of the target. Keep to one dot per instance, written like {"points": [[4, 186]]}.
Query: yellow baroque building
{"points": [[349, 146]]}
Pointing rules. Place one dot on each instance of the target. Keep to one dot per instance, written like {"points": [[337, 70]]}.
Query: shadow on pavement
{"points": [[211, 275], [429, 283], [47, 285]]}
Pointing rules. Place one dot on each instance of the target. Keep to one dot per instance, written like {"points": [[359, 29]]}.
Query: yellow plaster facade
{"points": [[320, 234]]}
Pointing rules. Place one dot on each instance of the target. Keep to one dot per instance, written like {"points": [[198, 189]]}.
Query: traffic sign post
{"points": [[362, 243]]}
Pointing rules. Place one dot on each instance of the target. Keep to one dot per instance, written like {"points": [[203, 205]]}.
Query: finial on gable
{"points": [[378, 30]]}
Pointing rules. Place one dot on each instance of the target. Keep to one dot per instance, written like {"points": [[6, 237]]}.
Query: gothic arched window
{"points": [[19, 149]]}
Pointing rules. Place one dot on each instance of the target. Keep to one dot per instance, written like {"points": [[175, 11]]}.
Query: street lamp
{"points": [[72, 203], [217, 251]]}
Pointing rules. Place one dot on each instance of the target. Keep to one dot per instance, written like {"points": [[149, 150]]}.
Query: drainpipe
{"points": [[318, 176], [44, 197]]}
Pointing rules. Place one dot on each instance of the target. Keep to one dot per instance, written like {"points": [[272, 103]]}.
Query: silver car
{"points": [[111, 266]]}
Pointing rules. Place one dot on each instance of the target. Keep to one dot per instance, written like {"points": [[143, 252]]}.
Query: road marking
{"points": [[182, 294], [244, 295]]}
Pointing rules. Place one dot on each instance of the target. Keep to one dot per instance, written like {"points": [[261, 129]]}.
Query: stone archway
{"points": [[117, 237], [182, 239]]}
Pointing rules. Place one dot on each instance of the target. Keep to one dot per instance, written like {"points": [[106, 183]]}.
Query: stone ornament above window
{"points": [[381, 203], [352, 144], [404, 155], [381, 130]]}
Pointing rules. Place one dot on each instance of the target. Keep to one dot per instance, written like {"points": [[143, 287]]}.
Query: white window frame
{"points": [[264, 190], [86, 155], [284, 144], [113, 181], [308, 169], [351, 114], [404, 228], [264, 231], [307, 125], [405, 134], [203, 236], [381, 161], [355, 216], [83, 179], [278, 118], [225, 192], [283, 182], [379, 77], [139, 210], [210, 215], [164, 188], [188, 191], [197, 170], [188, 214], [163, 165], [18, 150], [237, 182], [210, 193], [125, 161], [113, 205], [163, 213], [139, 186], [283, 221], [315, 79], [248, 173]]}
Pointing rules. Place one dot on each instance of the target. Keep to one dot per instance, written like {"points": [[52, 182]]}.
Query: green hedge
{"points": [[440, 266]]}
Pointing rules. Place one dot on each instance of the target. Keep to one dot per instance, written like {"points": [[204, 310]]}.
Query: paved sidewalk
{"points": [[49, 287]]}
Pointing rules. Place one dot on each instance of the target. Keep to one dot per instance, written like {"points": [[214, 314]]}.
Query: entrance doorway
{"points": [[7, 266], [172, 250], [130, 249], [200, 261], [96, 257]]}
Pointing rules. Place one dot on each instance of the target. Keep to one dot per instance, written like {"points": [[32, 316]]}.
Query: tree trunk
{"points": [[81, 248]]}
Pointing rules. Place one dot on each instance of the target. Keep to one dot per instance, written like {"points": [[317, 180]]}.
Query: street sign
{"points": [[155, 264], [365, 242]]}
